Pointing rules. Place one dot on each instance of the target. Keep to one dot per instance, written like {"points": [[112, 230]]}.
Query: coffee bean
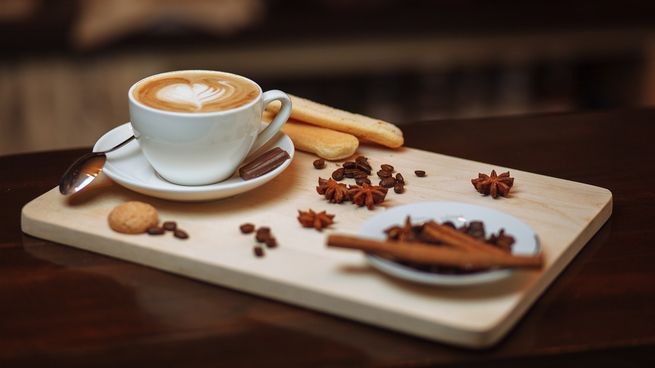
{"points": [[362, 181], [155, 230], [387, 182], [259, 251], [338, 174], [386, 167], [383, 174], [180, 234], [350, 173], [364, 167], [319, 164], [419, 173], [349, 165], [271, 242], [361, 175], [169, 225], [247, 228], [262, 234], [400, 179], [362, 160], [398, 188]]}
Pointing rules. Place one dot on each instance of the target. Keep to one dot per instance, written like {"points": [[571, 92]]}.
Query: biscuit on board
{"points": [[133, 217], [369, 129], [325, 143]]}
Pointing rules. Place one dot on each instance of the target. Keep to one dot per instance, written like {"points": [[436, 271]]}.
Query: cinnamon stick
{"points": [[459, 240], [435, 255]]}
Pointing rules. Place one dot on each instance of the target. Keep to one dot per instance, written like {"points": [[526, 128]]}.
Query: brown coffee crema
{"points": [[196, 92]]}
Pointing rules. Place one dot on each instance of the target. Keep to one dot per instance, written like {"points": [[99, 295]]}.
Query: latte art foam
{"points": [[196, 92]]}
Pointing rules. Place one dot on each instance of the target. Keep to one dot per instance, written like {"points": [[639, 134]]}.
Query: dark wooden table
{"points": [[65, 307]]}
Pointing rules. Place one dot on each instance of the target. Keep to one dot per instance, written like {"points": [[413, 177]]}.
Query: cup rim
{"points": [[136, 102]]}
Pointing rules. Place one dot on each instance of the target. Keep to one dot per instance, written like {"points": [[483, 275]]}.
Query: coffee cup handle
{"points": [[279, 120]]}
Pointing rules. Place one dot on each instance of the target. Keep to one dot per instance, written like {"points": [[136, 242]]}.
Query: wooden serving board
{"points": [[304, 272]]}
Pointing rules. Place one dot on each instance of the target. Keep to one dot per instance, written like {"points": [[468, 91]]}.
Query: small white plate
{"points": [[128, 167], [526, 240]]}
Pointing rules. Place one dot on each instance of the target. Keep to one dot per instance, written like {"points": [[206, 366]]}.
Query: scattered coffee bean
{"points": [[155, 230], [262, 234], [349, 165], [383, 174], [338, 174], [399, 188], [419, 173], [350, 173], [362, 181], [259, 251], [387, 182], [364, 167], [319, 164], [271, 242], [386, 167], [400, 179], [361, 175], [361, 159], [247, 228], [180, 234], [169, 225]]}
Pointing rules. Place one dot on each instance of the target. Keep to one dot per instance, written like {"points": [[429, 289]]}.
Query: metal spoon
{"points": [[86, 168]]}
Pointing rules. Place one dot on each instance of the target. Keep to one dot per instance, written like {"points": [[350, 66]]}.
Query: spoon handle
{"points": [[120, 144]]}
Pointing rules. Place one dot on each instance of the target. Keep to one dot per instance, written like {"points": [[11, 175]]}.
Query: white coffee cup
{"points": [[199, 148]]}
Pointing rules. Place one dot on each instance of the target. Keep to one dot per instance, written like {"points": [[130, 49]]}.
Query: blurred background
{"points": [[66, 65]]}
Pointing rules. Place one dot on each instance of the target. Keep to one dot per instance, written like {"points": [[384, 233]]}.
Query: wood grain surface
{"points": [[66, 307]]}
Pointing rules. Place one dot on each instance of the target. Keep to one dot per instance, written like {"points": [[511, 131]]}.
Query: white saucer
{"points": [[527, 242], [128, 167]]}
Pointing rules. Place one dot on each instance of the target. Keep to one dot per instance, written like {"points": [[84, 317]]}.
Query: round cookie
{"points": [[133, 217]]}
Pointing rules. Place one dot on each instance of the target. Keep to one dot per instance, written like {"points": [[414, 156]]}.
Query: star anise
{"points": [[367, 195], [403, 233], [494, 185], [318, 221], [333, 191]]}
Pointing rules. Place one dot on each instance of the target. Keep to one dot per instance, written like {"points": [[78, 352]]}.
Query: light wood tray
{"points": [[304, 272]]}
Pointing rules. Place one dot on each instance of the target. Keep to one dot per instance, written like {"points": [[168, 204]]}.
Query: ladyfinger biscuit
{"points": [[325, 143], [361, 126]]}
